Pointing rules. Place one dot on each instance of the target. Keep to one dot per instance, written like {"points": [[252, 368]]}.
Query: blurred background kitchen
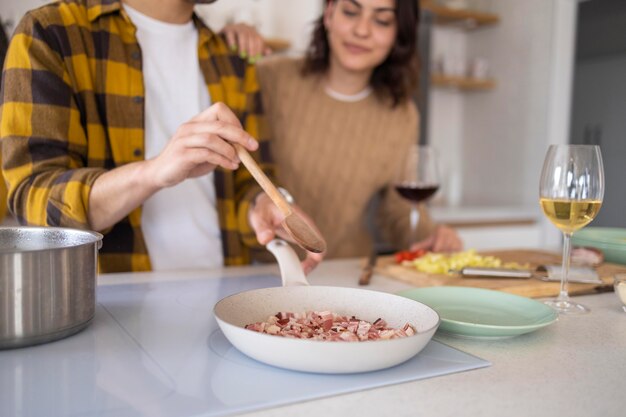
{"points": [[507, 78]]}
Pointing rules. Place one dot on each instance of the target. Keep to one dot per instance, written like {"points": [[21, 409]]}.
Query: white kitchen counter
{"points": [[477, 215], [575, 367]]}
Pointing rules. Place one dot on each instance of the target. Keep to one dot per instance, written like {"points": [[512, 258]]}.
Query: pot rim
{"points": [[95, 237]]}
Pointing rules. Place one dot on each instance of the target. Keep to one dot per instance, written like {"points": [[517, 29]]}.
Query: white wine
{"points": [[570, 215]]}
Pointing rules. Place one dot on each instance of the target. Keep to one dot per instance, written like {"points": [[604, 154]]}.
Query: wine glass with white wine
{"points": [[570, 193]]}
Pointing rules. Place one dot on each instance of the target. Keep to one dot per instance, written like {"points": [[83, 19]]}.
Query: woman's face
{"points": [[361, 33]]}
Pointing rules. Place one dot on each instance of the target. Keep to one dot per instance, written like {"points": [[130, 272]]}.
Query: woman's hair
{"points": [[396, 77]]}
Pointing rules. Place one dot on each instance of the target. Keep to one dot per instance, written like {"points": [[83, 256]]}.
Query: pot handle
{"points": [[290, 270]]}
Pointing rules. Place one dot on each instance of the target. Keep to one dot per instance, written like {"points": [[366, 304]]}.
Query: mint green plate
{"points": [[610, 240], [480, 313]]}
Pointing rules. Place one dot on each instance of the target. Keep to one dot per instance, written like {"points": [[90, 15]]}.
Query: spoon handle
{"points": [[265, 183]]}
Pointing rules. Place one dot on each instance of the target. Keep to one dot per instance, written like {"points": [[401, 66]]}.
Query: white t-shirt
{"points": [[180, 224]]}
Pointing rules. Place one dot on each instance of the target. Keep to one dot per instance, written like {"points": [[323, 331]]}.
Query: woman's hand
{"points": [[266, 221], [246, 40], [443, 239]]}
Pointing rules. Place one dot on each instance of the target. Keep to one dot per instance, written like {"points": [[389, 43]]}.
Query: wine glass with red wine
{"points": [[418, 179]]}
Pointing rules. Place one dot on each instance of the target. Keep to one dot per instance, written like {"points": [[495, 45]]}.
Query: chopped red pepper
{"points": [[407, 255]]}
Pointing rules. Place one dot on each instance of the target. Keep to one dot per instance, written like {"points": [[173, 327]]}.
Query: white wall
{"points": [[505, 130], [445, 128], [503, 134], [13, 10], [286, 19]]}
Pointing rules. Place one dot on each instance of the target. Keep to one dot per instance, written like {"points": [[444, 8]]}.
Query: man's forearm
{"points": [[118, 192]]}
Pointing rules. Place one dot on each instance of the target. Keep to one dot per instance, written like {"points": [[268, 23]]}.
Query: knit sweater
{"points": [[334, 155]]}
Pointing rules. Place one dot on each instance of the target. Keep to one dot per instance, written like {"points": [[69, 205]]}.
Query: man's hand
{"points": [[196, 148], [443, 239], [199, 146], [266, 220]]}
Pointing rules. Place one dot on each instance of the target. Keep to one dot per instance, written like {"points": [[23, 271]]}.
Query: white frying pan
{"points": [[234, 312]]}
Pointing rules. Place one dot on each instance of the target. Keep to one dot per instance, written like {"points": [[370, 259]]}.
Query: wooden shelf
{"points": [[277, 45], [469, 19], [462, 83]]}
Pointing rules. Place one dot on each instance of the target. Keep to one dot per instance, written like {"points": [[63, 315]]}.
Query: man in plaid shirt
{"points": [[101, 119]]}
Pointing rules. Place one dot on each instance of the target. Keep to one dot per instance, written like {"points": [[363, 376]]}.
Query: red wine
{"points": [[416, 193]]}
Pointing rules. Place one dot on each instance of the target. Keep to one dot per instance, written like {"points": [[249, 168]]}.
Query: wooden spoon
{"points": [[300, 230]]}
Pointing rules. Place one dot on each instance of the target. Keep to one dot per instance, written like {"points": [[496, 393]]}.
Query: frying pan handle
{"points": [[288, 262]]}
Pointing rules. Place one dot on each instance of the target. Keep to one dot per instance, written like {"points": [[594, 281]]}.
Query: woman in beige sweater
{"points": [[342, 119]]}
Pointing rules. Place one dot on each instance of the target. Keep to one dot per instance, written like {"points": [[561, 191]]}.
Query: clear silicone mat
{"points": [[155, 349]]}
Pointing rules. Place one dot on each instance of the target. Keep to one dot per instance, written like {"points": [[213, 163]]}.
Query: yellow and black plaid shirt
{"points": [[73, 107]]}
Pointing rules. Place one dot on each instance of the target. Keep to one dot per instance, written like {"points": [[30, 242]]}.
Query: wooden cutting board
{"points": [[531, 287]]}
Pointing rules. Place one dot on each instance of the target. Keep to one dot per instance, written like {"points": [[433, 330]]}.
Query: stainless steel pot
{"points": [[47, 283]]}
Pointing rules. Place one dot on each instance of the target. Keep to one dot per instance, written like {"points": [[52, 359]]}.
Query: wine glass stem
{"points": [[414, 221], [567, 246]]}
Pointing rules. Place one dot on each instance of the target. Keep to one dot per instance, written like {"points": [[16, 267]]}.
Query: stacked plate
{"points": [[483, 314], [610, 240]]}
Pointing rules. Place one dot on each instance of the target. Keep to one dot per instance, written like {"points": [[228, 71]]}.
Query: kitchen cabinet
{"points": [[598, 118], [599, 98], [487, 228]]}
